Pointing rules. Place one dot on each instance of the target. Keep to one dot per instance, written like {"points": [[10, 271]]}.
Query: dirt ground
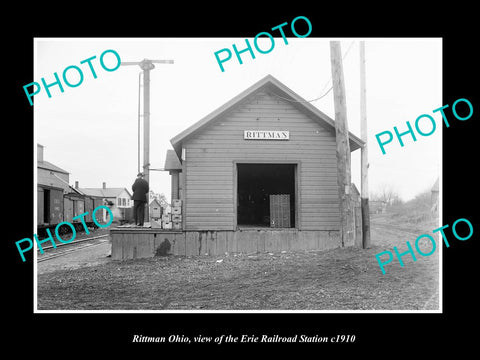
{"points": [[339, 279]]}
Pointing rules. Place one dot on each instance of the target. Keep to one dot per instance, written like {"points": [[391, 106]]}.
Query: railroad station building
{"points": [[258, 174]]}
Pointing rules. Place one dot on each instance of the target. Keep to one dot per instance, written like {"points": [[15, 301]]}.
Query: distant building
{"points": [[49, 175], [52, 184], [57, 200], [434, 197], [377, 206], [118, 199]]}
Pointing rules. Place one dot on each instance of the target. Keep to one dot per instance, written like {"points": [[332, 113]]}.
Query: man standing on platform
{"points": [[140, 193]]}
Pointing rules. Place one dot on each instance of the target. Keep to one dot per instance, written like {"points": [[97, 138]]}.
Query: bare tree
{"points": [[162, 199], [387, 194]]}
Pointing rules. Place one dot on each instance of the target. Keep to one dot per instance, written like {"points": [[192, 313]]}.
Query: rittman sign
{"points": [[266, 135]]}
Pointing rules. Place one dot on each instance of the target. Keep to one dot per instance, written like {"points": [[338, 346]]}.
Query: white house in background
{"points": [[118, 199]]}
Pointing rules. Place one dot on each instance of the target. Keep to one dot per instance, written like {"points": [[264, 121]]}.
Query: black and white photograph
{"points": [[239, 184], [215, 180]]}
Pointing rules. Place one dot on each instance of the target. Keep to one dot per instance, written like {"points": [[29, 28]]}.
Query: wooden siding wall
{"points": [[212, 154], [128, 243], [40, 200]]}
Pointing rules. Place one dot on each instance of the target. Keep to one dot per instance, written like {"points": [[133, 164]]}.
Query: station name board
{"points": [[266, 135]]}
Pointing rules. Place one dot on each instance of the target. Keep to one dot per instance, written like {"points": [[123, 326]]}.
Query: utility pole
{"points": [[146, 65], [364, 156], [347, 226], [138, 125]]}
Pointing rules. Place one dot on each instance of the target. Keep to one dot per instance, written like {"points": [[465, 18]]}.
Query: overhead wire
{"points": [[328, 91]]}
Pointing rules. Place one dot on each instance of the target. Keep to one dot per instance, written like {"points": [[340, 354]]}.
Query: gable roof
{"points": [[154, 200], [49, 166], [105, 193], [271, 84]]}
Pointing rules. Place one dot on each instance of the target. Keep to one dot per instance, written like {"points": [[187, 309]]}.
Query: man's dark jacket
{"points": [[140, 190]]}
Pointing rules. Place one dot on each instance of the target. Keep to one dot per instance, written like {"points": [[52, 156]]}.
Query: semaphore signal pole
{"points": [[146, 65]]}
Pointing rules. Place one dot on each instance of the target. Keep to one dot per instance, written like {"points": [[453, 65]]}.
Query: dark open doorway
{"points": [[256, 182]]}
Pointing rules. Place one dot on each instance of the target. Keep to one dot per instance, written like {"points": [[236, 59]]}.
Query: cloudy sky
{"points": [[91, 130]]}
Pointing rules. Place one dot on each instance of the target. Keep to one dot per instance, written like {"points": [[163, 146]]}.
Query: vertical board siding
{"points": [[40, 199], [212, 153], [138, 243]]}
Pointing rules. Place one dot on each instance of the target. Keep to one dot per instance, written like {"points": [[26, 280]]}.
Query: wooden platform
{"points": [[133, 242]]}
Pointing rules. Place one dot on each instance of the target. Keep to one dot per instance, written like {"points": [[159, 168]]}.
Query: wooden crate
{"points": [[176, 210], [280, 211], [176, 218], [176, 203]]}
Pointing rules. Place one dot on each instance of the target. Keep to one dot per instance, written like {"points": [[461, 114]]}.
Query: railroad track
{"points": [[433, 301], [398, 229], [70, 250]]}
